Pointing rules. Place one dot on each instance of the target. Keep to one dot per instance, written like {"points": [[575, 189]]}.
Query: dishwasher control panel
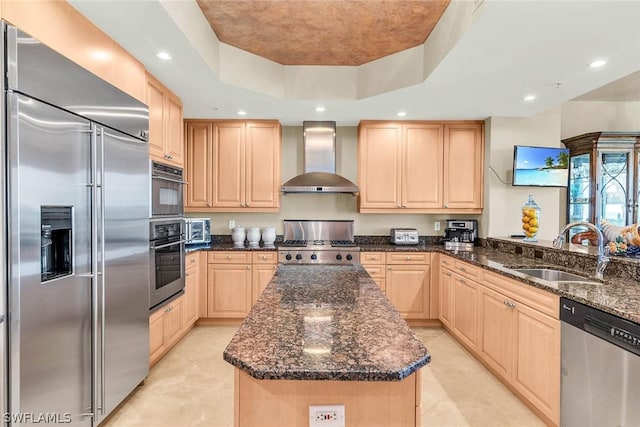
{"points": [[613, 329]]}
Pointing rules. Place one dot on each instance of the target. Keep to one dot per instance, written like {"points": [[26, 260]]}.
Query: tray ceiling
{"points": [[320, 32]]}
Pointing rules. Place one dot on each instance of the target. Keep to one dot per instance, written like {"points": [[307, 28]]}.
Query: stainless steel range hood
{"points": [[319, 140]]}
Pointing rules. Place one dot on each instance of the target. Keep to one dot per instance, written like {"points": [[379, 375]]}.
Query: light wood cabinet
{"points": [[463, 167], [232, 166], [165, 329], [375, 264], [192, 283], [511, 327], [445, 300], [517, 321], [415, 167], [165, 124], [228, 290], [264, 266], [408, 283], [465, 310]]}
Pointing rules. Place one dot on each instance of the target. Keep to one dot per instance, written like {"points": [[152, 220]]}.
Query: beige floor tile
{"points": [[192, 386]]}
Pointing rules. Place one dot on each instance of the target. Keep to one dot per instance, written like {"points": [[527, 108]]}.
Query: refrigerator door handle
{"points": [[102, 271], [94, 269]]}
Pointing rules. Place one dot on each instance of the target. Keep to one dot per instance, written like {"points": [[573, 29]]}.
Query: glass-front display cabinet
{"points": [[603, 177]]}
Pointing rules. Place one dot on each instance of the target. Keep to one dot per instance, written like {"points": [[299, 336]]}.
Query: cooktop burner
{"points": [[294, 243], [343, 243]]}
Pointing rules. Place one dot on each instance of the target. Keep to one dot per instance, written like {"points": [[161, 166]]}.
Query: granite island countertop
{"points": [[325, 322]]}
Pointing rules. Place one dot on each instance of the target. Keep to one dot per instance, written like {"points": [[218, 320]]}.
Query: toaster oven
{"points": [[198, 231]]}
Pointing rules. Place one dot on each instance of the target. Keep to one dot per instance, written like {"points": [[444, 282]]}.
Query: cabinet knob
{"points": [[246, 205], [446, 206], [408, 258], [389, 268], [404, 206], [248, 267], [229, 257], [399, 205], [208, 205]]}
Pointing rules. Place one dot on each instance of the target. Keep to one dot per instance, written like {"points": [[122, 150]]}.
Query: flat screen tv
{"points": [[540, 166]]}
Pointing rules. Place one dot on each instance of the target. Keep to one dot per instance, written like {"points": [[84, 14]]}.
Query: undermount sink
{"points": [[552, 275]]}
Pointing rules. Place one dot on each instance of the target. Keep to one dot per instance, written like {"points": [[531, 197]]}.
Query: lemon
{"points": [[525, 226], [533, 230], [533, 222], [525, 219]]}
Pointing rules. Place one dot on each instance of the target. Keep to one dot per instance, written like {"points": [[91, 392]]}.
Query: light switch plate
{"points": [[232, 224], [436, 225]]}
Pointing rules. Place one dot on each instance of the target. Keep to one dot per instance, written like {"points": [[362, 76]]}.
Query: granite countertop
{"points": [[325, 322], [615, 296]]}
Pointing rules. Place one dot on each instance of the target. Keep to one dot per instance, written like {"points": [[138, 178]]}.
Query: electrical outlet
{"points": [[326, 416], [232, 224], [436, 225]]}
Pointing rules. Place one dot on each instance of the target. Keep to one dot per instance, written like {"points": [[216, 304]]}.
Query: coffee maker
{"points": [[461, 234]]}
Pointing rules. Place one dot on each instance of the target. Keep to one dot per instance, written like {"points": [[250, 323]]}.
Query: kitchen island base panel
{"points": [[282, 403]]}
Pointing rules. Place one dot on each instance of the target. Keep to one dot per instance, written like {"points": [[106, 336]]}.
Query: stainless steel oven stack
{"points": [[166, 234]]}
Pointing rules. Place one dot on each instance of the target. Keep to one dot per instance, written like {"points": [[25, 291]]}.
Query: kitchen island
{"points": [[325, 335]]}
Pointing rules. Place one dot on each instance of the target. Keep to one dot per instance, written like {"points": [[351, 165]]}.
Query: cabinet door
{"points": [[174, 143], [497, 320], [380, 163], [445, 296], [465, 310], [262, 274], [172, 321], [422, 154], [263, 173], [198, 170], [228, 290], [190, 299], [537, 365], [155, 101], [407, 287], [228, 164], [156, 335], [463, 166]]}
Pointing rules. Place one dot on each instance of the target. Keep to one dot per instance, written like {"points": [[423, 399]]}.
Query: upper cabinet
{"points": [[420, 167], [165, 124], [233, 166]]}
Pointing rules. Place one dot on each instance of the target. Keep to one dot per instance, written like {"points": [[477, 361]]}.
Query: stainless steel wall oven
{"points": [[167, 189], [166, 245]]}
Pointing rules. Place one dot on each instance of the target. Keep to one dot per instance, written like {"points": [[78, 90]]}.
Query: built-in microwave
{"points": [[167, 189], [198, 231]]}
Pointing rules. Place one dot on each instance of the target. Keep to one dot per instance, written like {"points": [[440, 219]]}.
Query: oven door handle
{"points": [[166, 245], [177, 181]]}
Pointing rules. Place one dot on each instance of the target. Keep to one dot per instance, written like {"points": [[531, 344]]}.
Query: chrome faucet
{"points": [[603, 259]]}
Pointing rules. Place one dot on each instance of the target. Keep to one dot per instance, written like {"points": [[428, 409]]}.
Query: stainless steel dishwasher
{"points": [[600, 368]]}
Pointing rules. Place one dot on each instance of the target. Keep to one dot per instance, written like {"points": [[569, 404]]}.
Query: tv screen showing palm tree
{"points": [[540, 166]]}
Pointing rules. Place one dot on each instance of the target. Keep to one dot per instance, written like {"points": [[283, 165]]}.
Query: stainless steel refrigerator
{"points": [[77, 251]]}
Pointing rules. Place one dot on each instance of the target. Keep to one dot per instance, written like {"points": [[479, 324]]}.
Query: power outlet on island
{"points": [[326, 416]]}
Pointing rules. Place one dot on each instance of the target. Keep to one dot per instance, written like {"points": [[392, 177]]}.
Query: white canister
{"points": [[269, 236], [253, 235], [238, 237]]}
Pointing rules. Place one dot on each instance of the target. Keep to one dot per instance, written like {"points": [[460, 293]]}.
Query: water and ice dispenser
{"points": [[55, 242]]}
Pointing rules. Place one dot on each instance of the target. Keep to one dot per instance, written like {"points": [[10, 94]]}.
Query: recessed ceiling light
{"points": [[529, 98], [598, 63], [320, 109], [242, 113], [402, 113], [101, 55], [163, 55]]}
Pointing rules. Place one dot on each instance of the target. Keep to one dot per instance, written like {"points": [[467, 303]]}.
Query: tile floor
{"points": [[192, 386]]}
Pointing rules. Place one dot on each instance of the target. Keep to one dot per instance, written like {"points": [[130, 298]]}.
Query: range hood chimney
{"points": [[319, 140]]}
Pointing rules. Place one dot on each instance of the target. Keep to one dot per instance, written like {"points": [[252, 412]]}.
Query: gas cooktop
{"points": [[318, 242]]}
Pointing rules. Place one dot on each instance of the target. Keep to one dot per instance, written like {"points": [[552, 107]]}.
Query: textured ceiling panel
{"points": [[323, 32]]}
